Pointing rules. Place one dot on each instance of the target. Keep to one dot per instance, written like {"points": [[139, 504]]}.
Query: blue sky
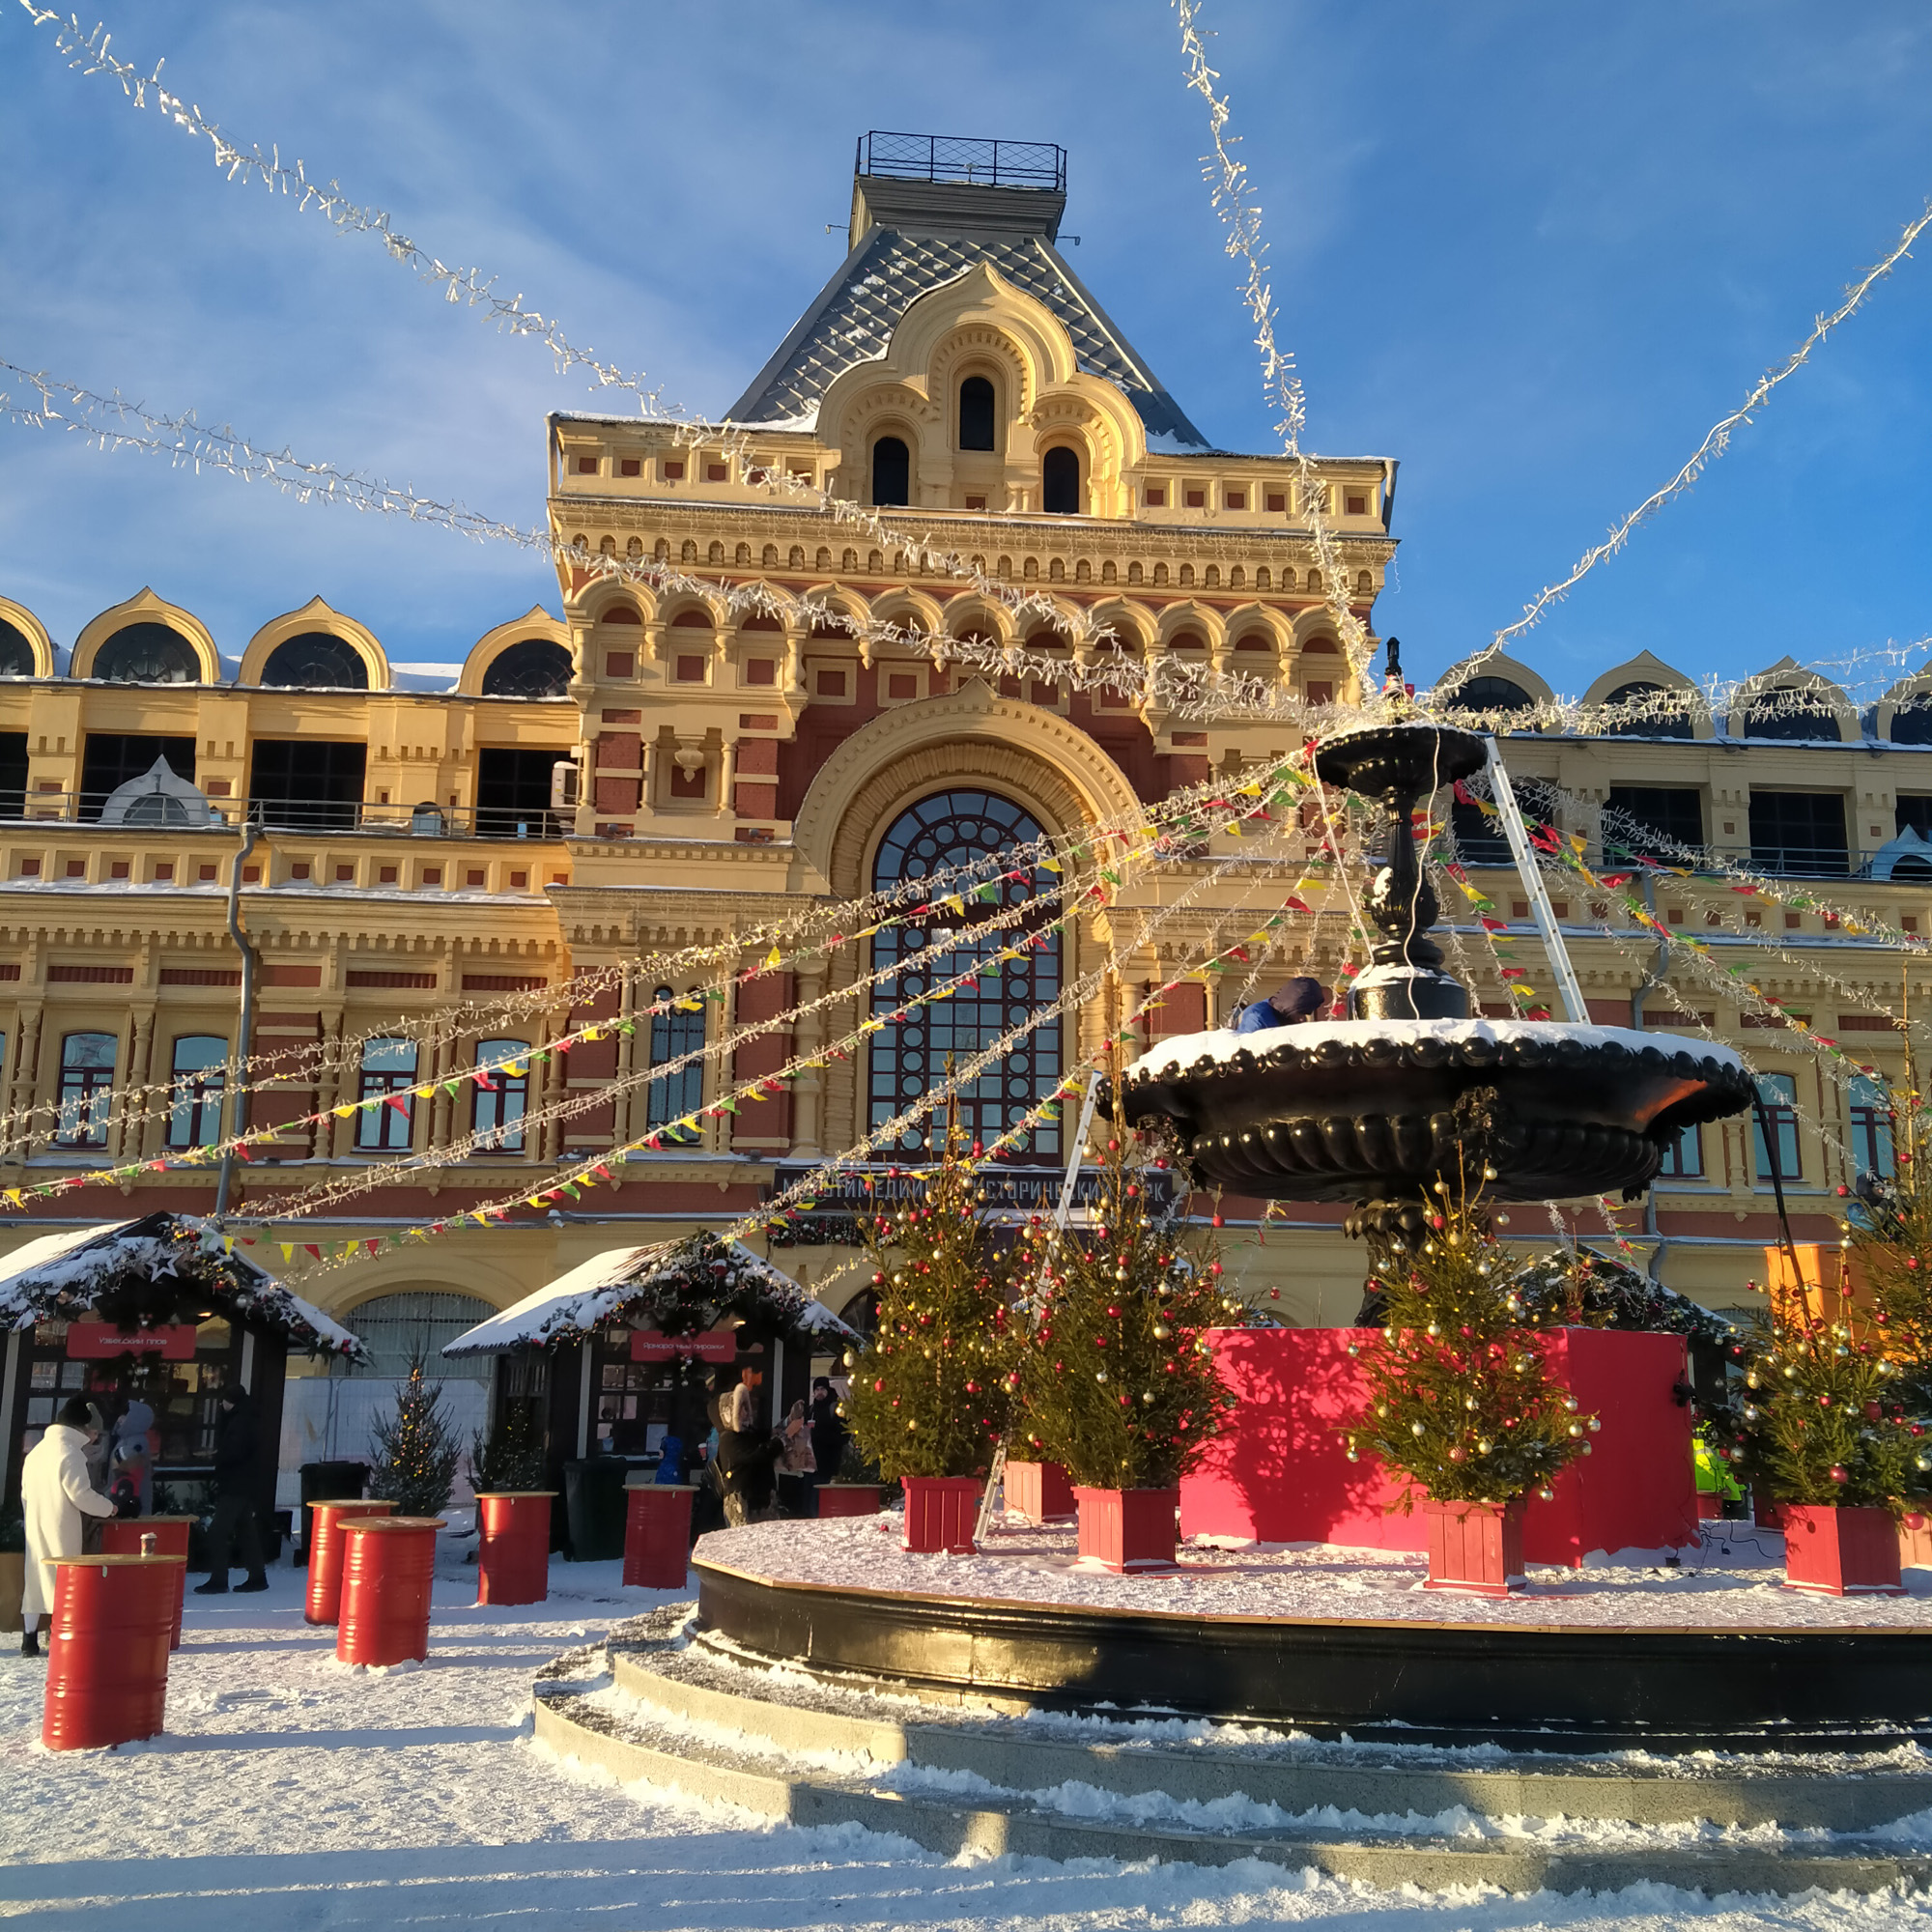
{"points": [[1531, 251]]}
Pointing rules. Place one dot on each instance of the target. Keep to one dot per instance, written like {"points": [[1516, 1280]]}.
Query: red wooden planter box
{"points": [[1475, 1548], [1841, 1552], [849, 1499], [1128, 1529], [1039, 1491], [1915, 1540], [941, 1513]]}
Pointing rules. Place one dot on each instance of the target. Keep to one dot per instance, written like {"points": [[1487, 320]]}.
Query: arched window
{"points": [[909, 1055], [86, 1090], [1491, 693], [502, 1094], [892, 472], [199, 1073], [536, 667], [316, 661], [1790, 712], [677, 1031], [386, 1121], [976, 414], [16, 652], [393, 1327], [146, 654], [1911, 723], [1060, 482], [1664, 719]]}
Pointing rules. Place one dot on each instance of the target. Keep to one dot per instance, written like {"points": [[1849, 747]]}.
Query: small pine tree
{"points": [[927, 1395], [1825, 1418], [1460, 1399], [1115, 1379], [512, 1458], [1887, 1243], [416, 1451]]}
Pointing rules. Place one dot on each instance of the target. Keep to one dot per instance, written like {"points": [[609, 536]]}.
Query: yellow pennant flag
{"points": [[342, 1113], [774, 958]]}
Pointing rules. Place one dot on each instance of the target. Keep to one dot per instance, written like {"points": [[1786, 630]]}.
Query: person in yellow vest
{"points": [[1714, 1474]]}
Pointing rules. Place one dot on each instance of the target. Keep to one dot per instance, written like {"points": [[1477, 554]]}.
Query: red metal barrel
{"points": [[513, 1546], [325, 1552], [107, 1660], [121, 1537], [657, 1534], [387, 1565]]}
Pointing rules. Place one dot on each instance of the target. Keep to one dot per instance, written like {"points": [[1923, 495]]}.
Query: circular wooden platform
{"points": [[1524, 1685]]}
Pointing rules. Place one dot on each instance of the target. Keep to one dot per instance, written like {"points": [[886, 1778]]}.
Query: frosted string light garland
{"points": [[90, 53], [1714, 443], [1227, 180], [806, 1189]]}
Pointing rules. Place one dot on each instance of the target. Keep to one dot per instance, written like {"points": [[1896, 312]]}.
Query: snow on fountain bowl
{"points": [[1337, 1110], [1412, 1088]]}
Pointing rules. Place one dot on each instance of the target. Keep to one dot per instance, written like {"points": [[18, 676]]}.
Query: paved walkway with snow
{"points": [[291, 1793]]}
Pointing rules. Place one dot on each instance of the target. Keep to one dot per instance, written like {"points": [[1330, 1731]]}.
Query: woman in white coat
{"points": [[56, 1494]]}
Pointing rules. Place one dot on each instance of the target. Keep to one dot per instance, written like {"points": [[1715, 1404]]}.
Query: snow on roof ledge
{"points": [[73, 1265], [599, 1288]]}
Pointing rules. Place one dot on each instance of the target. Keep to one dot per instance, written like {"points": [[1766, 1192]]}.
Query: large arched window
{"points": [[393, 1327], [1491, 694], [909, 1054], [1661, 712], [536, 667], [675, 1035], [146, 654], [892, 472], [1911, 723], [16, 652], [976, 414], [1790, 712], [316, 660], [1060, 482]]}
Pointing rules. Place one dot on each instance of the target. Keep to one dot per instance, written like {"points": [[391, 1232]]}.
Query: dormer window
{"points": [[891, 474], [976, 414], [1060, 482]]}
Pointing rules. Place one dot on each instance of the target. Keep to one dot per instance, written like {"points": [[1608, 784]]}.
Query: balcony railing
{"points": [[162, 813], [962, 157]]}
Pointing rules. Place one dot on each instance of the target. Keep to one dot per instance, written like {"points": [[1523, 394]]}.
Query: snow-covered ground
{"points": [[288, 1792], [1733, 1580]]}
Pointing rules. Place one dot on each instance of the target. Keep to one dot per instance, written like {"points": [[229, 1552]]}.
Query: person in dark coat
{"points": [[235, 1451], [1299, 1002], [828, 1432], [748, 1455]]}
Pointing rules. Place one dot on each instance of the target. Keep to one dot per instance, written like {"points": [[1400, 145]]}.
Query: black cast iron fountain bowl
{"points": [[1410, 1089], [1346, 1110]]}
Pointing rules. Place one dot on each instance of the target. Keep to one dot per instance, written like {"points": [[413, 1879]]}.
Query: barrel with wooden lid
{"points": [[657, 1534], [513, 1546], [122, 1536], [325, 1551], [107, 1654], [389, 1565]]}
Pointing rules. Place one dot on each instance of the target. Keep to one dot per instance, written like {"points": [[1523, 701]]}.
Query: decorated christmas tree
{"points": [[1828, 1416], [1115, 1379], [512, 1458], [416, 1450], [928, 1395], [1887, 1247], [1460, 1399]]}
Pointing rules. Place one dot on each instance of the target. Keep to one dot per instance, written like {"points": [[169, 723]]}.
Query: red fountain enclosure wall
{"points": [[1280, 1473]]}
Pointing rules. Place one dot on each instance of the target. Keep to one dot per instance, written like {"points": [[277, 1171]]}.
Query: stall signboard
{"points": [[652, 1345], [103, 1342]]}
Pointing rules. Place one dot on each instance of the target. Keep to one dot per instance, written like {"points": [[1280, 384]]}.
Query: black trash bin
{"points": [[321, 1483], [593, 1508]]}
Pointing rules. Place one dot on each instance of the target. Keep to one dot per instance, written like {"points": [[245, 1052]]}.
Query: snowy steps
{"points": [[696, 1719]]}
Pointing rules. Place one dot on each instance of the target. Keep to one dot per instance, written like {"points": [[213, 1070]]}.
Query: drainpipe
{"points": [[245, 1030], [1651, 981]]}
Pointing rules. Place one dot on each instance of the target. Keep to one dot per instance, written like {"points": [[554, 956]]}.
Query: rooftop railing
{"points": [[162, 813], [962, 157]]}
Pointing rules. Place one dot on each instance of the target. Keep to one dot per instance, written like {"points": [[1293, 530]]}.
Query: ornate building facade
{"points": [[656, 770]]}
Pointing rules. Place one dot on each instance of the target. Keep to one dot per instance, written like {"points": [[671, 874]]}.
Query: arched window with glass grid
{"points": [[677, 1031], [909, 1055]]}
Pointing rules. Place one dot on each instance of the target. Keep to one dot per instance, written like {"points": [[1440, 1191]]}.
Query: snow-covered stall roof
{"points": [[684, 1290], [60, 1275]]}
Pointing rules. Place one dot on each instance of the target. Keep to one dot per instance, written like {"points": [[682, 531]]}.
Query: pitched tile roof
{"points": [[854, 315]]}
